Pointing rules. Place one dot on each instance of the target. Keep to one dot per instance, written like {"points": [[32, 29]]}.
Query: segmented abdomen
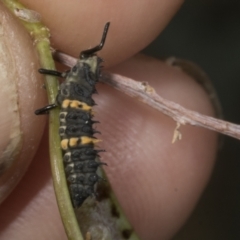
{"points": [[77, 142]]}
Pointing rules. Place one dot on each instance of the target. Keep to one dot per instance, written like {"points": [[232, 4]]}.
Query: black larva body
{"points": [[80, 158]]}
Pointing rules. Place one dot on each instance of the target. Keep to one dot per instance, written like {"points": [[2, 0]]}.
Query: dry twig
{"points": [[147, 94]]}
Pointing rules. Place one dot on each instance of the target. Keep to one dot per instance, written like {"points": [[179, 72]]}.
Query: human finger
{"points": [[157, 183], [76, 25]]}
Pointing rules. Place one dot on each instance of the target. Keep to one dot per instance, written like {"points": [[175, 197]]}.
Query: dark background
{"points": [[207, 32]]}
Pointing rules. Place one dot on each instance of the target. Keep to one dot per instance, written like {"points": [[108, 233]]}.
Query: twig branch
{"points": [[147, 94]]}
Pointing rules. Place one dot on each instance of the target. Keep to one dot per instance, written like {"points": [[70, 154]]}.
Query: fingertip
{"points": [[76, 26], [157, 183], [20, 96]]}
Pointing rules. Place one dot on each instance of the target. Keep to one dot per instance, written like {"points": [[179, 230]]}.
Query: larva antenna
{"points": [[91, 51]]}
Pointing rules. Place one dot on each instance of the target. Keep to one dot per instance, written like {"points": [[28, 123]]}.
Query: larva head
{"points": [[88, 65], [86, 71]]}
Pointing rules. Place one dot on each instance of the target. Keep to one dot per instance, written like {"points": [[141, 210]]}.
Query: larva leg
{"points": [[45, 109], [49, 107], [52, 72]]}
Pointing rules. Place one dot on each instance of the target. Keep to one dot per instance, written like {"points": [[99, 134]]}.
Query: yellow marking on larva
{"points": [[76, 104], [65, 103], [82, 105], [86, 107], [73, 142], [86, 140], [64, 144]]}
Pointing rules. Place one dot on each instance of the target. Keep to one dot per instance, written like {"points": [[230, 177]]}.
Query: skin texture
{"points": [[157, 183], [17, 149]]}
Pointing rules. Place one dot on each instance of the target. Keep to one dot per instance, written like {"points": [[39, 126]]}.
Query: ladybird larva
{"points": [[75, 101]]}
